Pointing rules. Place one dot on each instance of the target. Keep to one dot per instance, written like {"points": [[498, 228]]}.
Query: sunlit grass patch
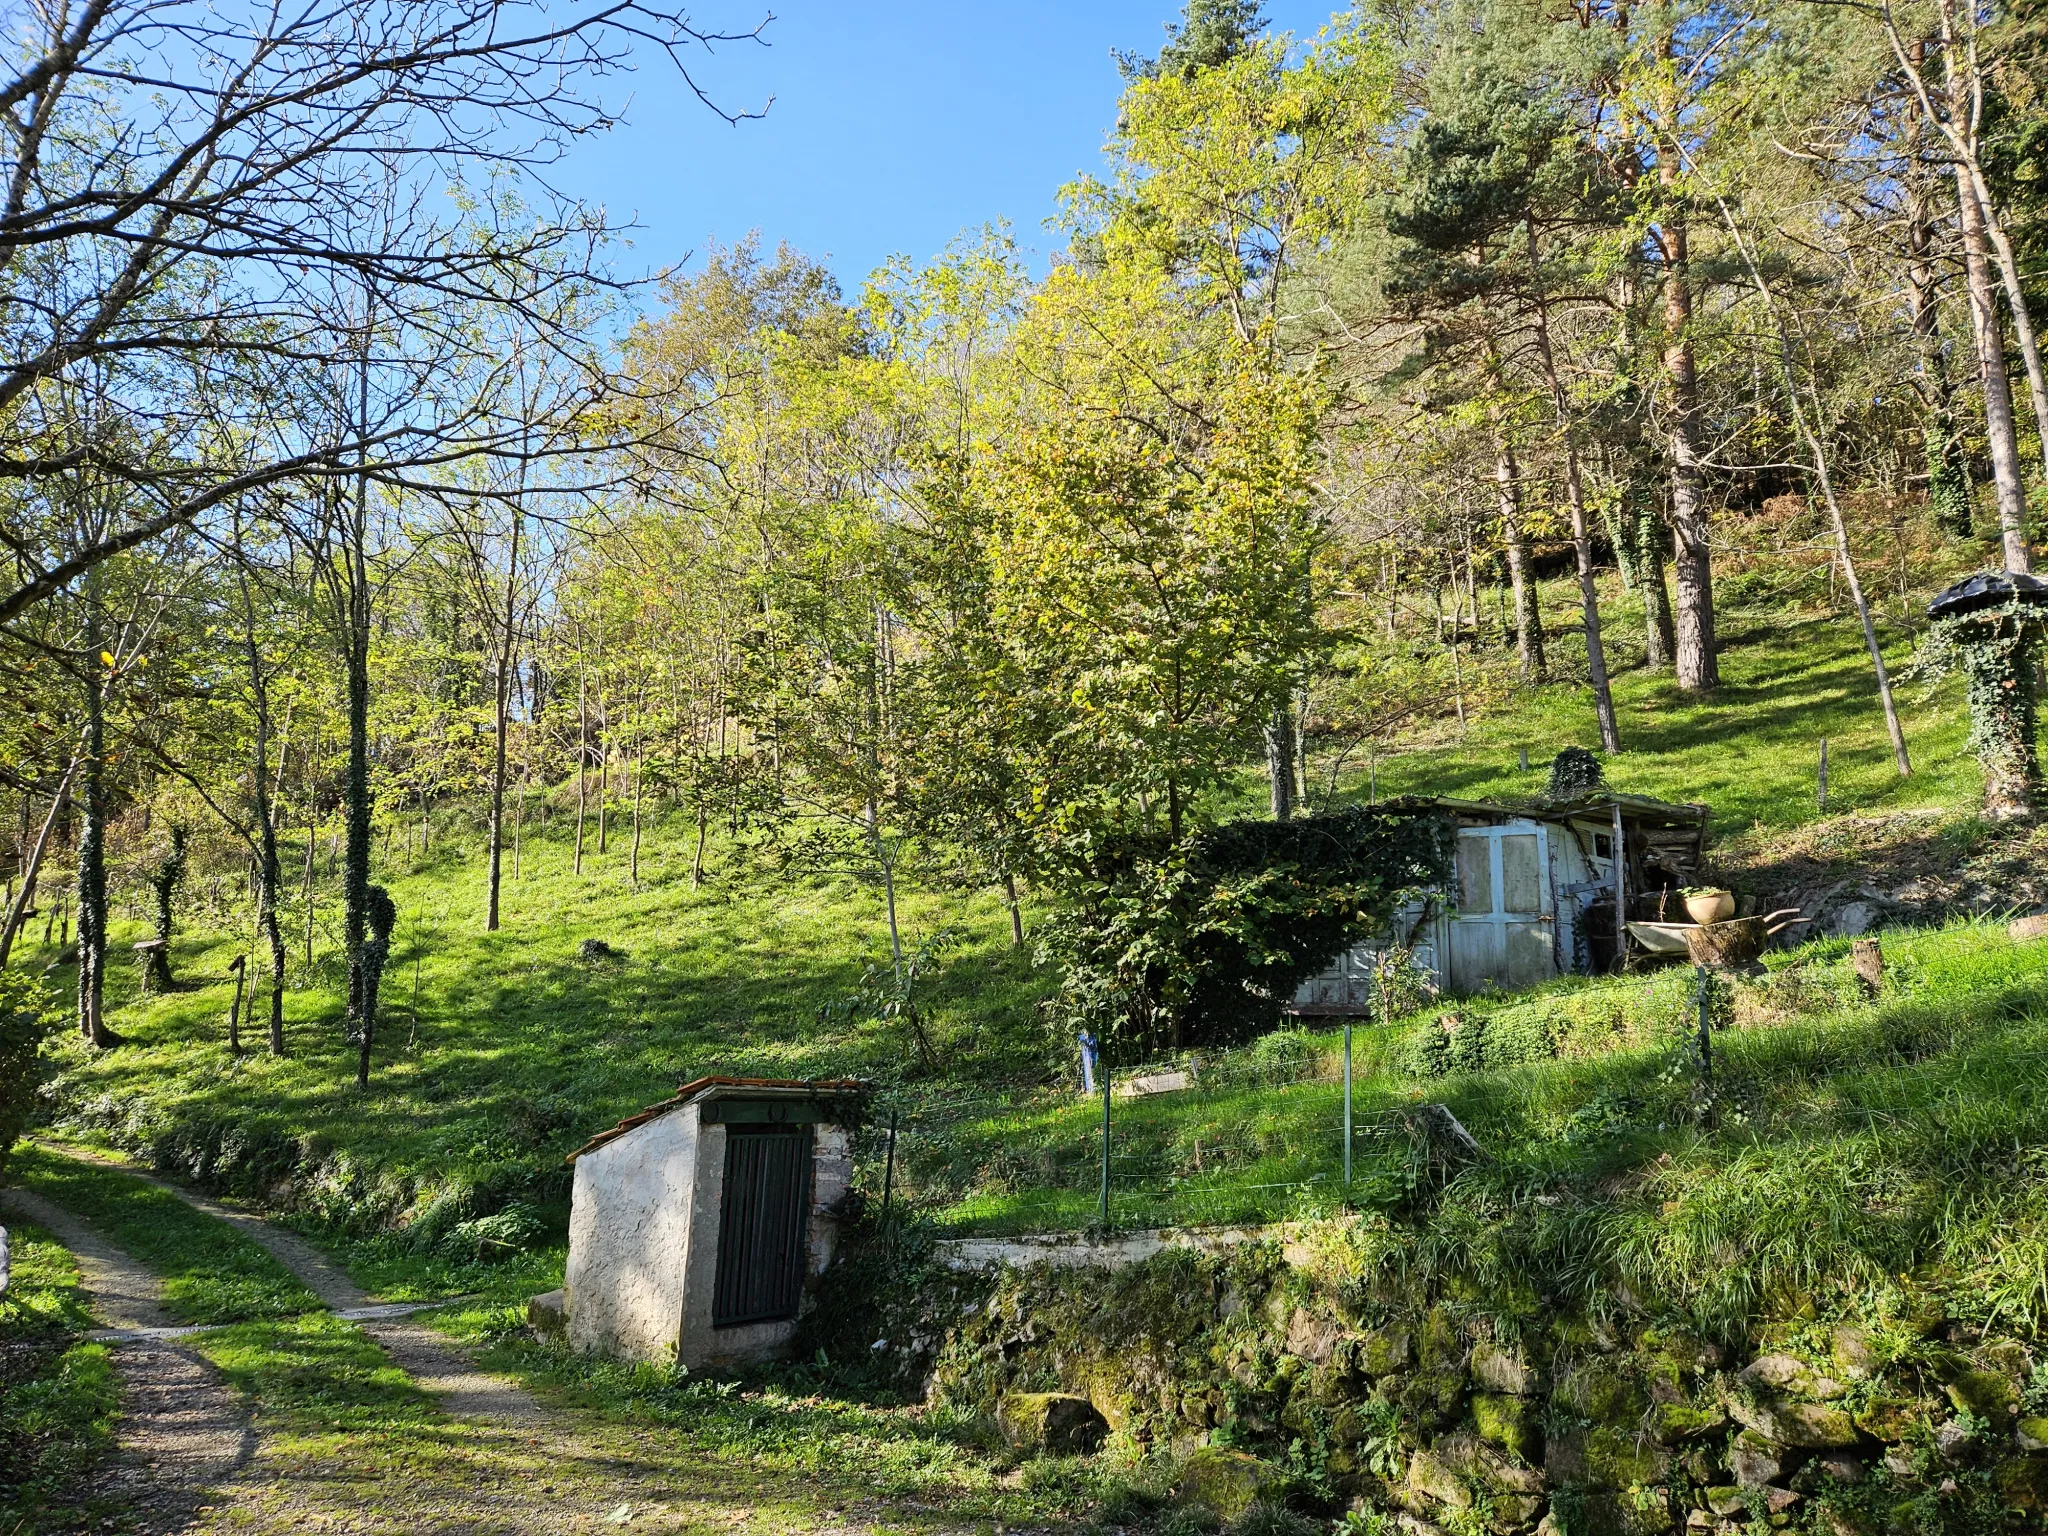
{"points": [[211, 1272], [58, 1392]]}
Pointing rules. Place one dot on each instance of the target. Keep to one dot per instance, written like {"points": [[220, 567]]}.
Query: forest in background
{"points": [[329, 514]]}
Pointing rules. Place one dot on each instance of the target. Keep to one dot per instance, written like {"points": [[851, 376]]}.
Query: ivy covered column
{"points": [[1989, 628]]}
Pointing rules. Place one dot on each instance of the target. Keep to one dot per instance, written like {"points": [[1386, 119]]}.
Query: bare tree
{"points": [[184, 181]]}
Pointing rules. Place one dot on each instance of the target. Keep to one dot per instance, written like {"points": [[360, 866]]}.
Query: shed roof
{"points": [[1644, 808], [698, 1089]]}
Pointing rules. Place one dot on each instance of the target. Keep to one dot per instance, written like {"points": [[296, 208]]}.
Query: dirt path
{"points": [[183, 1434], [461, 1390], [494, 1463]]}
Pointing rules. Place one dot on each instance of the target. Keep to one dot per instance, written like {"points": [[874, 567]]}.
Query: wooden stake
{"points": [[1821, 792], [1867, 956]]}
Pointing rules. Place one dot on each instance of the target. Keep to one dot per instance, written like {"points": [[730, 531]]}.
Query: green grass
{"points": [[501, 1052], [58, 1392], [1750, 751], [518, 1049], [317, 1373], [795, 1424], [211, 1272], [1963, 1025]]}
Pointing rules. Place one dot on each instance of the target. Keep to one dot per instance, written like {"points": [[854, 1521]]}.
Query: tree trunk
{"points": [[582, 763], [502, 717], [1582, 533], [1810, 436], [311, 838], [887, 866], [2000, 429], [1016, 912], [269, 868], [639, 782], [501, 731], [1280, 760], [92, 864], [1948, 474], [356, 848], [1528, 614], [1696, 661], [32, 863]]}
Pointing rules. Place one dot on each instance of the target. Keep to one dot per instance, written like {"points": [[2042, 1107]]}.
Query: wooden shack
{"points": [[1533, 895]]}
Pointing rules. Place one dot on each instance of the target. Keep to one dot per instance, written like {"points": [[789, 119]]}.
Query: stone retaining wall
{"points": [[1472, 1414]]}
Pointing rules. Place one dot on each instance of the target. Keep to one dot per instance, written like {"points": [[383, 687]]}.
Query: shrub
{"points": [[1202, 942], [24, 1022]]}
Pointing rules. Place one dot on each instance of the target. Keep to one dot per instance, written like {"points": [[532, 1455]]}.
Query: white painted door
{"points": [[1501, 931]]}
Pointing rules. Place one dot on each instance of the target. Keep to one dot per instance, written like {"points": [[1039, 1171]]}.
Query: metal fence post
{"points": [[1347, 1102], [1102, 1070]]}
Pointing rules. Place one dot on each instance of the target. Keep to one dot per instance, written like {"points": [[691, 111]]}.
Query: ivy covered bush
{"points": [[1997, 649], [1167, 946]]}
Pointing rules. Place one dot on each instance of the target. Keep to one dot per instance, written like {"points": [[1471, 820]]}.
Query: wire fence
{"points": [[1182, 1143]]}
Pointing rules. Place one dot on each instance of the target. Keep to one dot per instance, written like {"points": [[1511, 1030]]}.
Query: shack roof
{"points": [[1601, 803], [700, 1089]]}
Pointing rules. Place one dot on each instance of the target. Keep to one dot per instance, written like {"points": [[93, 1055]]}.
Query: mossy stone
{"points": [[1623, 1458], [1384, 1351], [1501, 1370], [1726, 1499], [1806, 1426], [1676, 1423], [1436, 1479], [1984, 1393], [1439, 1346], [1230, 1482], [1508, 1422], [2022, 1483], [1849, 1349], [2033, 1434], [1433, 1396], [1055, 1423], [1601, 1390], [1890, 1419]]}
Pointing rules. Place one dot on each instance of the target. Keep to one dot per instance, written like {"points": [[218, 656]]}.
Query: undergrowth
{"points": [[58, 1393]]}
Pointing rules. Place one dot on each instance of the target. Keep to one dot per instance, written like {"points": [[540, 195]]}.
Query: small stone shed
{"points": [[1533, 895], [698, 1226]]}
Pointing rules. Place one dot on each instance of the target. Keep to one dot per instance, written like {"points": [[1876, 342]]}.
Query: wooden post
{"points": [[1867, 956], [889, 1173], [240, 966], [1102, 1069], [1821, 796], [1522, 755], [1620, 894]]}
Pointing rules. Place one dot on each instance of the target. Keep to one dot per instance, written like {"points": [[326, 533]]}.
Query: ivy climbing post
{"points": [[1989, 628]]}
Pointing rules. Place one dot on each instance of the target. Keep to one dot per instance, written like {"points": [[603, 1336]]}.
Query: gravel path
{"points": [[460, 1389], [182, 1433]]}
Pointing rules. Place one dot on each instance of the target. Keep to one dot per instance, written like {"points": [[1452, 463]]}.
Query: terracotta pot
{"points": [[1713, 907]]}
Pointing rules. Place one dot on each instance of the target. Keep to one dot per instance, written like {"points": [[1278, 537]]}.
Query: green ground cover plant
{"points": [[211, 1272], [503, 1051], [58, 1391], [798, 1422]]}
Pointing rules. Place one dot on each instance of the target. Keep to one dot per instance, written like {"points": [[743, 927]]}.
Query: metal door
{"points": [[761, 1224], [1501, 932]]}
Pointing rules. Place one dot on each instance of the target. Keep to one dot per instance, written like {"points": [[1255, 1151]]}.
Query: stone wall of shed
{"points": [[629, 1240]]}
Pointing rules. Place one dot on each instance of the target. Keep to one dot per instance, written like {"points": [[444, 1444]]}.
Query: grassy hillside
{"points": [[501, 1051]]}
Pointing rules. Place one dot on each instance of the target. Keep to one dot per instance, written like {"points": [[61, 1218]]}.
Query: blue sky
{"points": [[896, 124]]}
